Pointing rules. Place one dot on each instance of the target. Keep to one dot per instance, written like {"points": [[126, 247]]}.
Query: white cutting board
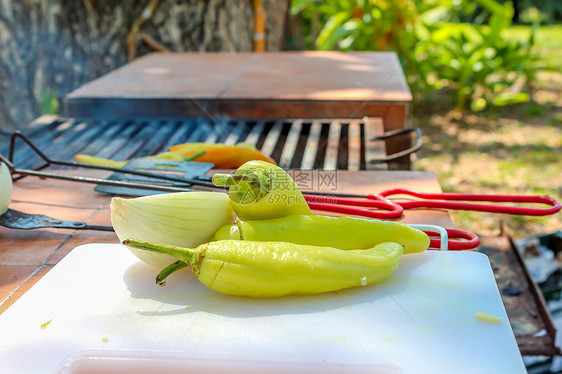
{"points": [[101, 298]]}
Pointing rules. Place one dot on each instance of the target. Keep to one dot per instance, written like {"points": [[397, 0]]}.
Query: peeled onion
{"points": [[185, 219], [5, 188]]}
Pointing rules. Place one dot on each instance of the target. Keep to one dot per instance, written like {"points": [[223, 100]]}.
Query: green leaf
{"points": [[471, 33], [493, 6], [506, 98], [298, 5], [325, 39], [478, 105], [49, 102]]}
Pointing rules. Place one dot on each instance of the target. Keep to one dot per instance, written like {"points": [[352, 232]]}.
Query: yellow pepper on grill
{"points": [[222, 155], [272, 269], [99, 161]]}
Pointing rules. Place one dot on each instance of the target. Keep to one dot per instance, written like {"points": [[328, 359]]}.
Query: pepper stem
{"points": [[186, 255], [232, 179], [194, 156], [168, 270]]}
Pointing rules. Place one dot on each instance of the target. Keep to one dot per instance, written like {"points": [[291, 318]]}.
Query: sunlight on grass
{"points": [[548, 40]]}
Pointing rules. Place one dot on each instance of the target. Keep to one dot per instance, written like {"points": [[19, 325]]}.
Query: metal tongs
{"points": [[183, 181], [25, 221]]}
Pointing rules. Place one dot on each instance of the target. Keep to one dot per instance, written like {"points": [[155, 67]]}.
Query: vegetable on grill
{"points": [[222, 155], [98, 161]]}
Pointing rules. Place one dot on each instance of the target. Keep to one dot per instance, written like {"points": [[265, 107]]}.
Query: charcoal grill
{"points": [[296, 144]]}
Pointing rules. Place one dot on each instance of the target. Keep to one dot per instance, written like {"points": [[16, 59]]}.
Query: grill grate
{"points": [[297, 144]]}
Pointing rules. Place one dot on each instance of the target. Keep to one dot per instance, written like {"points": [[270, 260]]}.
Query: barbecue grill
{"points": [[296, 144]]}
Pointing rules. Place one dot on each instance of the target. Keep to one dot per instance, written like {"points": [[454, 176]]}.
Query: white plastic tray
{"points": [[420, 320]]}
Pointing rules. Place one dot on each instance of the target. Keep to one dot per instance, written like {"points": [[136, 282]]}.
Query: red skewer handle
{"points": [[447, 201], [471, 240], [388, 209]]}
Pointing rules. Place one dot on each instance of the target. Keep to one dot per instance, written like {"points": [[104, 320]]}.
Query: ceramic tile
{"points": [[11, 278], [100, 217], [29, 247]]}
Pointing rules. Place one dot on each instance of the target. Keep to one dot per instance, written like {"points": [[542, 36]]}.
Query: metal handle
{"points": [[389, 134], [443, 242], [471, 241], [15, 219]]}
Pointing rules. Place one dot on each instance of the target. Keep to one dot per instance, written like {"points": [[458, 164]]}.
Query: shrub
{"points": [[479, 62]]}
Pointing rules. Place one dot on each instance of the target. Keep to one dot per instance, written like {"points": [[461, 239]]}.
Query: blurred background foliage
{"points": [[464, 46], [465, 61]]}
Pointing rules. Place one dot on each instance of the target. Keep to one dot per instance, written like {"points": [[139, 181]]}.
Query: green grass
{"points": [[548, 40]]}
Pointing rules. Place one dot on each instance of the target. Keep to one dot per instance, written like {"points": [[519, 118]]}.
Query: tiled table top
{"points": [[27, 255]]}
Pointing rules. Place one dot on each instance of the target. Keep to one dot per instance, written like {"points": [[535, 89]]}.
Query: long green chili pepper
{"points": [[338, 232], [271, 269]]}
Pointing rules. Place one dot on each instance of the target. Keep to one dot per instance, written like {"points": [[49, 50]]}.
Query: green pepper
{"points": [[338, 232], [272, 269], [261, 190]]}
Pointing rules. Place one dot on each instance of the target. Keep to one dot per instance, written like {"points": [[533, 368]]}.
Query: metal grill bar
{"points": [[354, 146], [255, 133], [331, 159], [183, 129], [44, 140], [118, 141], [236, 133], [311, 146], [290, 147], [271, 139], [108, 131], [198, 135]]}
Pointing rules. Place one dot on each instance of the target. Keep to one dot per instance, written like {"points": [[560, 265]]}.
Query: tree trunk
{"points": [[48, 48]]}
